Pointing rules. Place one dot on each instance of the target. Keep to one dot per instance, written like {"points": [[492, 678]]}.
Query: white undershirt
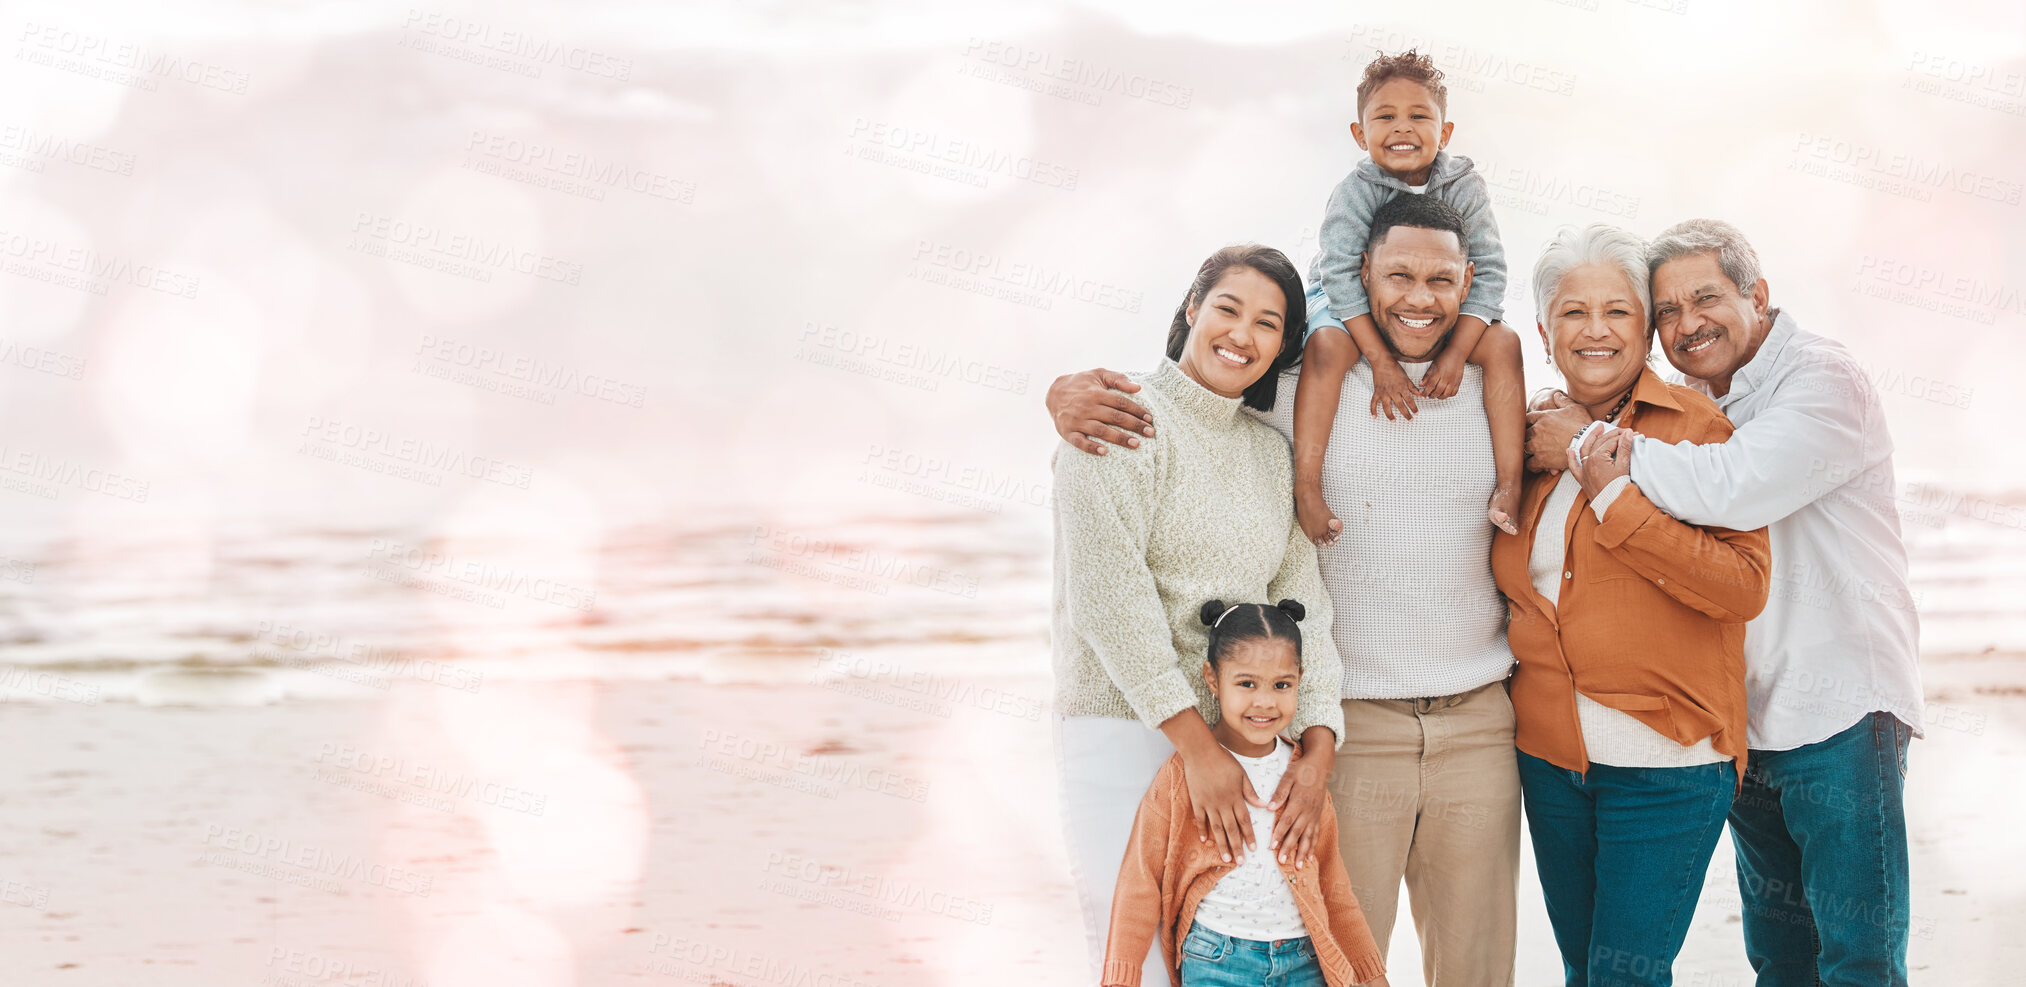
{"points": [[1417, 189], [1610, 736], [1253, 900]]}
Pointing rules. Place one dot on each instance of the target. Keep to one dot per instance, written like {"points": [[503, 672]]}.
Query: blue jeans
{"points": [[1822, 865], [1213, 959], [1622, 854]]}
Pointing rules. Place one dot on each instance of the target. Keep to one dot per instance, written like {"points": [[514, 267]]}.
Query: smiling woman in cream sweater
{"points": [[1142, 537]]}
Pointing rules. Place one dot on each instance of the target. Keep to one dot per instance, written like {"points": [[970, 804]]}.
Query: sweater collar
{"points": [[1193, 398]]}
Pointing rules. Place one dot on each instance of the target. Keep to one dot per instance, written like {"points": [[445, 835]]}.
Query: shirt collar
{"points": [[1191, 397], [1650, 389], [1749, 377], [1755, 371]]}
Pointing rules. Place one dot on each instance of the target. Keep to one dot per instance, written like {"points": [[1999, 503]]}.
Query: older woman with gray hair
{"points": [[1628, 628]]}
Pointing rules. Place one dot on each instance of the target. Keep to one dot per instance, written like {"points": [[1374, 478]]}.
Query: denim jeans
{"points": [[1822, 862], [1213, 959], [1622, 854]]}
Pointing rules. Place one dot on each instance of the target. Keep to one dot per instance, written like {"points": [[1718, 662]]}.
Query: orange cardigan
{"points": [[1168, 869], [1652, 613]]}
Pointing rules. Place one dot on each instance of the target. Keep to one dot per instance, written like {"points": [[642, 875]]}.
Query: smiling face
{"points": [[1402, 128], [1708, 328], [1416, 280], [1254, 683], [1596, 332], [1235, 332]]}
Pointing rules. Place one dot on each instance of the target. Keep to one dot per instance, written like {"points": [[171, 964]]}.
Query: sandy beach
{"points": [[849, 826]]}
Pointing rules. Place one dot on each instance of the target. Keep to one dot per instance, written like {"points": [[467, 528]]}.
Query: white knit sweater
{"points": [[1143, 537]]}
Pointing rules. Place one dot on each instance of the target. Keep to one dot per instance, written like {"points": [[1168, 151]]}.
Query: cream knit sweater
{"points": [[1144, 536]]}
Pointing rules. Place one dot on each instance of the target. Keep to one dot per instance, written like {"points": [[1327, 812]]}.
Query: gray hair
{"points": [[1597, 243], [1739, 261]]}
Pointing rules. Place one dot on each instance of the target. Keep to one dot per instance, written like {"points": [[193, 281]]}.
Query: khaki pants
{"points": [[1428, 790]]}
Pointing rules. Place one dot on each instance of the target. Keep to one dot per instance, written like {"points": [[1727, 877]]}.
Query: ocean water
{"points": [[255, 616]]}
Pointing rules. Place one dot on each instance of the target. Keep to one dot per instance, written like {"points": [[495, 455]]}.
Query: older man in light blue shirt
{"points": [[1831, 666]]}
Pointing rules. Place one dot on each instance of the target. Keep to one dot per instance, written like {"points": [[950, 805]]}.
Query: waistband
{"points": [[1274, 947], [1429, 704]]}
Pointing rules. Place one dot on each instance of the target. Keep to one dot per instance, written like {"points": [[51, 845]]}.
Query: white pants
{"points": [[1104, 764]]}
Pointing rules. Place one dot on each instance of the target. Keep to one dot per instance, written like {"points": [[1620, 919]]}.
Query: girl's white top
{"points": [[1254, 900]]}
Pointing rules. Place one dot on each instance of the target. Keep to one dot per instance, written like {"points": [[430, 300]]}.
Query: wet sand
{"points": [[874, 830]]}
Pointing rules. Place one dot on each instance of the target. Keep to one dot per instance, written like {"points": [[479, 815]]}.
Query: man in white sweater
{"points": [[1832, 673], [1425, 786]]}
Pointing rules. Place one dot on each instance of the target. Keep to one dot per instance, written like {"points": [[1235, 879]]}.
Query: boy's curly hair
{"points": [[1410, 65]]}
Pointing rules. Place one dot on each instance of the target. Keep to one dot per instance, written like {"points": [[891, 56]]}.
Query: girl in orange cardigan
{"points": [[1251, 921]]}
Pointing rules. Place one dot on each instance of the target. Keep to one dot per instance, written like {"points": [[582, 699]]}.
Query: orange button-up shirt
{"points": [[1652, 611]]}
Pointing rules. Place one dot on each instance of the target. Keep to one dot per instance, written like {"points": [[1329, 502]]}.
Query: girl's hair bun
{"points": [[1211, 611], [1293, 608]]}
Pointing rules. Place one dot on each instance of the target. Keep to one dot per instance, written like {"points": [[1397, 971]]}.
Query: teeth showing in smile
{"points": [[1595, 353], [1416, 323], [1401, 147], [1702, 345], [1261, 720], [1231, 358]]}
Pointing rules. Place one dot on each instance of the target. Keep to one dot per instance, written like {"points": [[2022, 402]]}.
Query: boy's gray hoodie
{"points": [[1348, 219]]}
